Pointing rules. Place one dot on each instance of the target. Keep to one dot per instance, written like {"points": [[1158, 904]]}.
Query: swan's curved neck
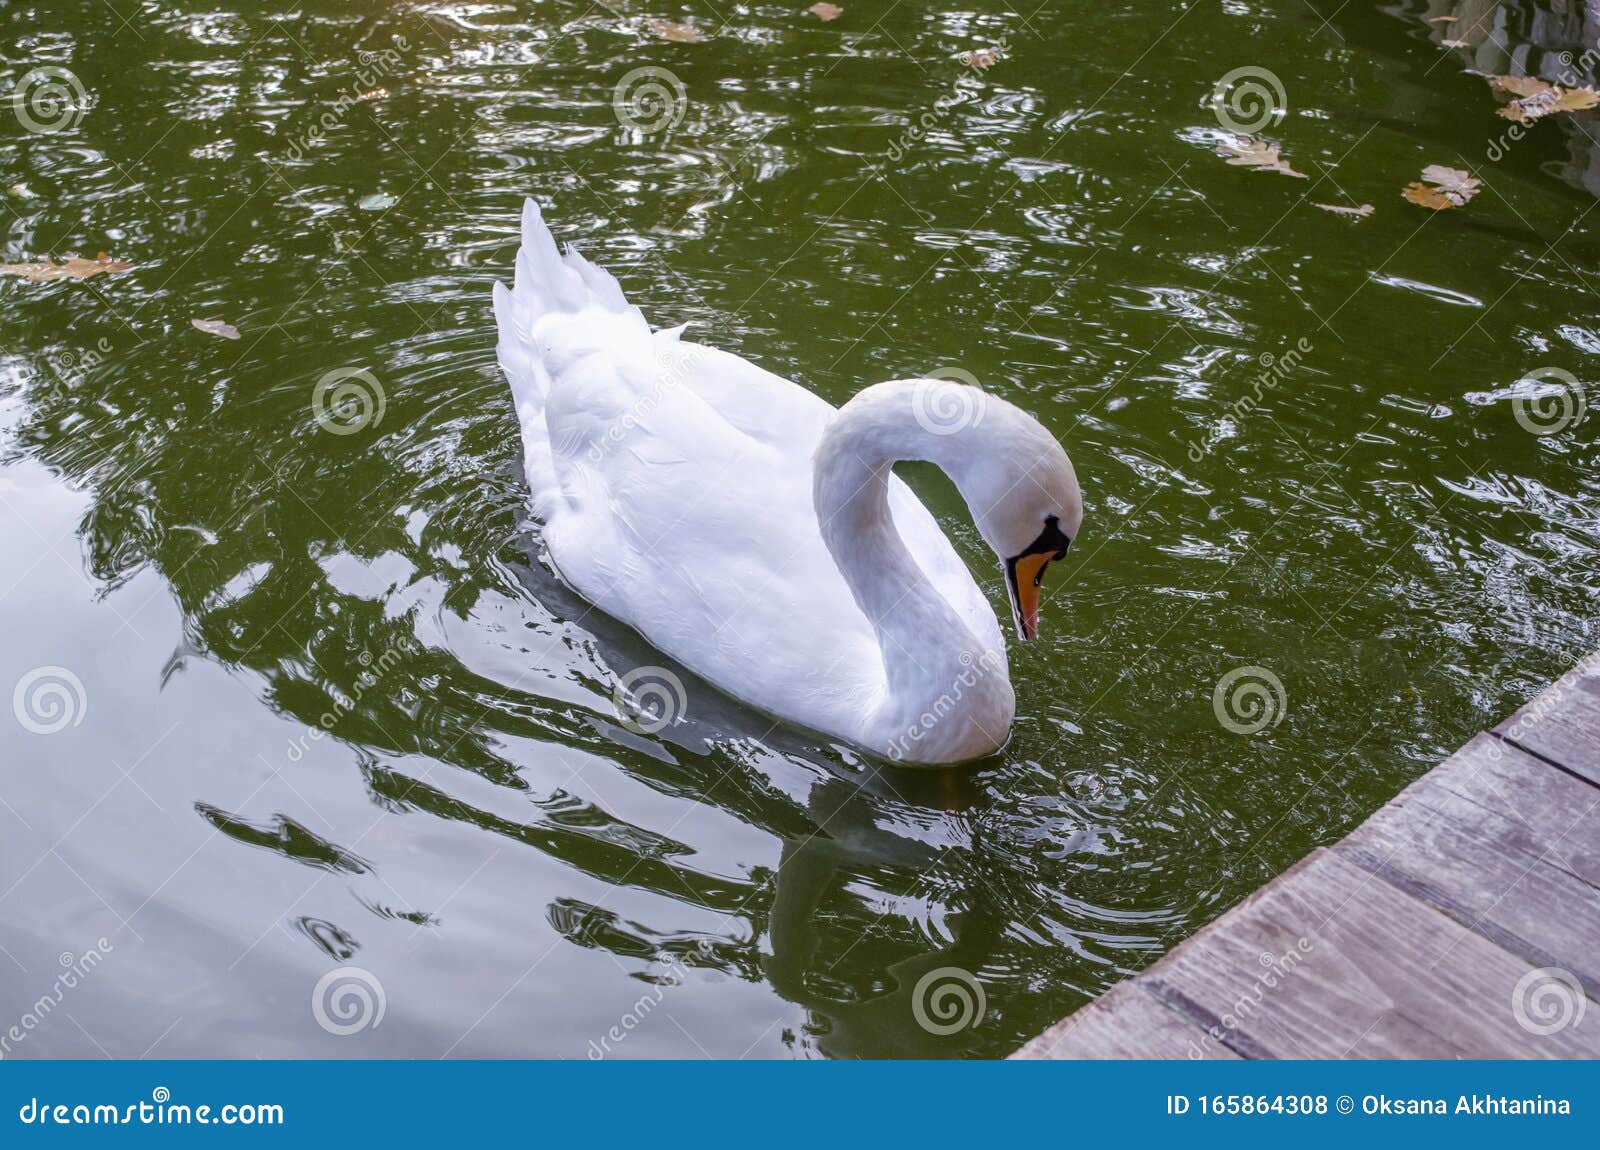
{"points": [[944, 684]]}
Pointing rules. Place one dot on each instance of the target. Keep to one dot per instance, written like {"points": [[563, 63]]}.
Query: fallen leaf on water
{"points": [[825, 11], [74, 267], [374, 94], [677, 33], [1441, 19], [1548, 100], [1452, 181], [21, 192], [216, 327], [1427, 197], [1258, 154], [1576, 100], [376, 202], [1519, 85], [1344, 210], [1452, 188], [982, 58]]}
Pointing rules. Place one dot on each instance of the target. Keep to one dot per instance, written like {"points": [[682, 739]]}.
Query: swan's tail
{"points": [[559, 309], [549, 286]]}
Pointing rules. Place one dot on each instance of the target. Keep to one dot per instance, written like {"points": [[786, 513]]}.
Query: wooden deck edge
{"points": [[1493, 856]]}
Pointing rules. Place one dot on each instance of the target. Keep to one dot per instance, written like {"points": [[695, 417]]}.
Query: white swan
{"points": [[758, 536]]}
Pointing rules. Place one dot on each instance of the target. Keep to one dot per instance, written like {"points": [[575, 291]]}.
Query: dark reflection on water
{"points": [[338, 714]]}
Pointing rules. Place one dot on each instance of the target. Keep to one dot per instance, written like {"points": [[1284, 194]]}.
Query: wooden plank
{"points": [[1126, 1022], [1562, 722], [1423, 934], [1374, 974], [1503, 843]]}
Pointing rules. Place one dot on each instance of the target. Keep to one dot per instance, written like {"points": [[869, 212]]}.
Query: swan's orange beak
{"points": [[1024, 577]]}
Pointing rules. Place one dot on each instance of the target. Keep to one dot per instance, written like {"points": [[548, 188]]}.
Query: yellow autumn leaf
{"points": [[1519, 85], [1575, 100], [1361, 212], [1419, 193], [1451, 188], [215, 327], [677, 33], [1258, 154], [74, 267], [1547, 100], [1452, 181]]}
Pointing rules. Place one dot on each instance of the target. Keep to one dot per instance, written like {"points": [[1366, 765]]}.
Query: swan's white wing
{"points": [[675, 484], [786, 416]]}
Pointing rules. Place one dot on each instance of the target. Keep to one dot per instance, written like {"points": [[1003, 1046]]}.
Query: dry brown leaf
{"points": [[74, 267], [1575, 100], [1452, 181], [1258, 154], [981, 58], [1419, 193], [1515, 111], [824, 11], [1546, 100], [1519, 85], [216, 327], [373, 94], [1362, 212], [1451, 188], [677, 33]]}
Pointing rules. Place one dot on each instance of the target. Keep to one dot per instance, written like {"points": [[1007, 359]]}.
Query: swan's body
{"points": [[747, 528]]}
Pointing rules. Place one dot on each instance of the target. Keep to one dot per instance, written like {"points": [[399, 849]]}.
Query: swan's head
{"points": [[1022, 492]]}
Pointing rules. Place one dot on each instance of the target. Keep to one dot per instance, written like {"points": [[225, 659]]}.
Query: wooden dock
{"points": [[1462, 920]]}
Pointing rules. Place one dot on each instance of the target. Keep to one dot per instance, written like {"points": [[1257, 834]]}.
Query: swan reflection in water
{"points": [[842, 822]]}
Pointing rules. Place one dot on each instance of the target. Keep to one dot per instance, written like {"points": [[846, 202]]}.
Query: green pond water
{"points": [[301, 724]]}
